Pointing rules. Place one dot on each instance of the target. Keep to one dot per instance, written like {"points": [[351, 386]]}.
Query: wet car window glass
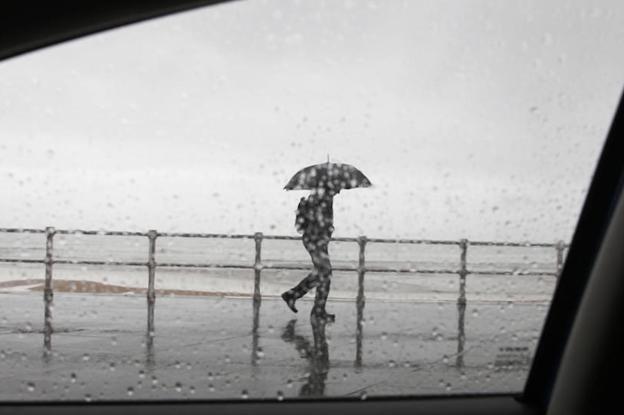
{"points": [[159, 226]]}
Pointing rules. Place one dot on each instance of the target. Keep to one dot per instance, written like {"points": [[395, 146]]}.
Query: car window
{"points": [[271, 199]]}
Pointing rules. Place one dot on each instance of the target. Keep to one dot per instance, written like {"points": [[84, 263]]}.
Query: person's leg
{"points": [[305, 285], [309, 282], [322, 290]]}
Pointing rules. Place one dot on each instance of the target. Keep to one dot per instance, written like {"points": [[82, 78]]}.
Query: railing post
{"points": [[360, 300], [257, 265], [151, 274], [559, 247], [257, 298], [461, 302], [48, 292]]}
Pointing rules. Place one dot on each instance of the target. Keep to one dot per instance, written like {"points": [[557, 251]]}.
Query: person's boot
{"points": [[290, 297]]}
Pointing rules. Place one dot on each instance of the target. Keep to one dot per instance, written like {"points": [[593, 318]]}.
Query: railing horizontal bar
{"points": [[87, 262], [177, 265], [412, 241], [277, 267], [516, 244], [204, 235], [305, 267], [20, 230], [285, 237], [411, 271], [518, 273], [276, 237], [23, 260], [103, 233]]}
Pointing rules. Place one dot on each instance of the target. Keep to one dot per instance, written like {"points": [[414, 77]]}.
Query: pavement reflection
{"points": [[315, 352]]}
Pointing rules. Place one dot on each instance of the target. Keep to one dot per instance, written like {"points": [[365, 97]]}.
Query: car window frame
{"points": [[24, 28]]}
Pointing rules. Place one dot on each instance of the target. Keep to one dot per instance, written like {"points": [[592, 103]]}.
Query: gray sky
{"points": [[477, 119]]}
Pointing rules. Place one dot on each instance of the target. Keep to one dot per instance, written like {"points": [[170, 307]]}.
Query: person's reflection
{"points": [[316, 353]]}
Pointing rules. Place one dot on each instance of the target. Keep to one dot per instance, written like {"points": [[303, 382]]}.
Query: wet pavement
{"points": [[223, 348]]}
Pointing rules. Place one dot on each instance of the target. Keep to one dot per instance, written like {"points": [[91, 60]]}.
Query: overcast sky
{"points": [[477, 119]]}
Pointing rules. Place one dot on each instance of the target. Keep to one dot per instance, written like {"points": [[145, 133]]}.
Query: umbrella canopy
{"points": [[328, 175]]}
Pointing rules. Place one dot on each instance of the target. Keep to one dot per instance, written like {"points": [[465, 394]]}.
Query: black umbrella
{"points": [[328, 175]]}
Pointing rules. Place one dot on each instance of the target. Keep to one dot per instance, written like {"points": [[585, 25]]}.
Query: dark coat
{"points": [[315, 217]]}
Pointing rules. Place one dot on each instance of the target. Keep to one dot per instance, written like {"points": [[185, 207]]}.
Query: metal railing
{"points": [[257, 266]]}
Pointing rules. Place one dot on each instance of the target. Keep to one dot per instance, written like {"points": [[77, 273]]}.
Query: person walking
{"points": [[315, 220]]}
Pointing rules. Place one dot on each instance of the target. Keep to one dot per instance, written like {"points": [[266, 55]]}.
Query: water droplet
{"points": [[130, 391], [363, 395], [244, 394], [72, 378], [280, 396], [30, 386]]}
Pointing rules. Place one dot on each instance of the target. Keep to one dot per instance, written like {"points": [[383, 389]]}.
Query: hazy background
{"points": [[478, 119]]}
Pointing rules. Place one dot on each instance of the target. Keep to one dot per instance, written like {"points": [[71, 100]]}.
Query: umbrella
{"points": [[331, 175]]}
